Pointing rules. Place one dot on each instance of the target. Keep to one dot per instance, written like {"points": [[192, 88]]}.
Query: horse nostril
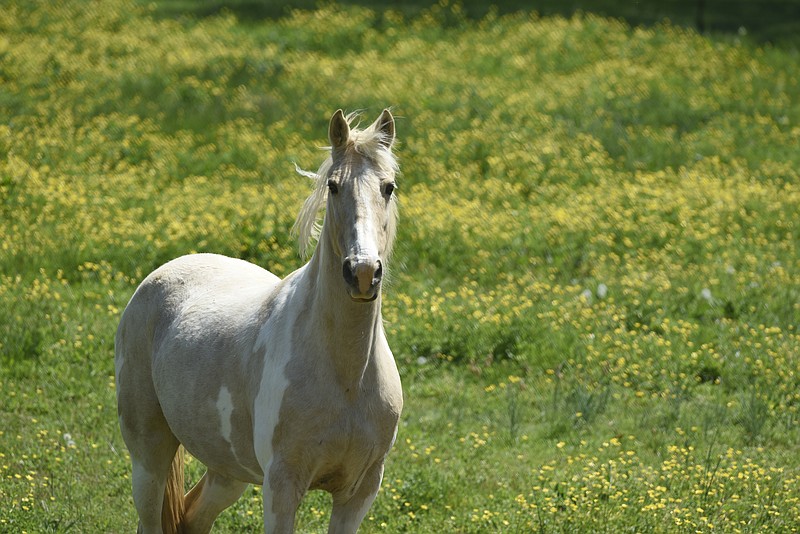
{"points": [[348, 272], [378, 276]]}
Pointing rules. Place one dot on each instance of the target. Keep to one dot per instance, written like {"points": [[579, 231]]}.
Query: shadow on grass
{"points": [[776, 21]]}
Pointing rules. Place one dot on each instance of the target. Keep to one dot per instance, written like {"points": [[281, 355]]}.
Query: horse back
{"points": [[206, 287]]}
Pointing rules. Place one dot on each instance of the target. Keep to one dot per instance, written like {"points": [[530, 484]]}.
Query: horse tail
{"points": [[174, 507]]}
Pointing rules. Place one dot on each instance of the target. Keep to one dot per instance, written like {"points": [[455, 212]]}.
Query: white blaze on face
{"points": [[225, 409], [365, 229]]}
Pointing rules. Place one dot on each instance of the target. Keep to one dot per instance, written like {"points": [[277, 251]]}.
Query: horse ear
{"points": [[385, 124], [338, 130]]}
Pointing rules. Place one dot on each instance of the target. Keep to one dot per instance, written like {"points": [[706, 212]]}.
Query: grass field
{"points": [[595, 292], [774, 21]]}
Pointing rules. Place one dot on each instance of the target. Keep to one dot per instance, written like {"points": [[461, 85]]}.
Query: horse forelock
{"points": [[369, 143]]}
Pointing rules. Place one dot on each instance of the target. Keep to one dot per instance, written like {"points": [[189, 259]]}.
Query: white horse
{"points": [[286, 383]]}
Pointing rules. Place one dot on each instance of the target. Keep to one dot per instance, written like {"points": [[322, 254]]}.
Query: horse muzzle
{"points": [[363, 275]]}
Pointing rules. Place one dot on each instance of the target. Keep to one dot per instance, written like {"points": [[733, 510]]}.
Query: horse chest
{"points": [[334, 441], [347, 448]]}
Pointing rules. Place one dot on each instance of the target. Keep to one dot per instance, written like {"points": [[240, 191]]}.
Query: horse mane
{"points": [[370, 143]]}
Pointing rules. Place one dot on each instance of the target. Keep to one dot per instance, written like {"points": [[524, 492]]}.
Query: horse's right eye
{"points": [[332, 187]]}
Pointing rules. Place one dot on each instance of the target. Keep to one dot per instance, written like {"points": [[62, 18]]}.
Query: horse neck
{"points": [[348, 331]]}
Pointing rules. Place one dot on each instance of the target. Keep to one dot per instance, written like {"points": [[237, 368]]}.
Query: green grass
{"points": [[594, 294], [775, 21]]}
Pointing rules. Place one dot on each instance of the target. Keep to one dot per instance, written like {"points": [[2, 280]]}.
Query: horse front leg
{"points": [[348, 513], [282, 496]]}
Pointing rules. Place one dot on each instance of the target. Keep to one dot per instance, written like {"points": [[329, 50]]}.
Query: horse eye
{"points": [[389, 189], [332, 187]]}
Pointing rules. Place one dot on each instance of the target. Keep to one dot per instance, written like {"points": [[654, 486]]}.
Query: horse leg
{"points": [[150, 470], [151, 444], [282, 496], [348, 513], [208, 498]]}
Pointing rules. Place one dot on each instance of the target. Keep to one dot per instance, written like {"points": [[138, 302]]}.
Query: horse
{"points": [[288, 383]]}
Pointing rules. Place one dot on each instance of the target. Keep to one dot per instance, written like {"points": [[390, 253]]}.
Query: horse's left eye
{"points": [[332, 187], [388, 189]]}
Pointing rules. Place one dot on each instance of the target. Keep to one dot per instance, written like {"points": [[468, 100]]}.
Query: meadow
{"points": [[595, 291]]}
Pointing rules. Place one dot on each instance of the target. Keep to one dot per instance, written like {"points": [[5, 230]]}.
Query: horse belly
{"points": [[204, 394], [227, 408], [212, 423], [225, 458], [216, 429]]}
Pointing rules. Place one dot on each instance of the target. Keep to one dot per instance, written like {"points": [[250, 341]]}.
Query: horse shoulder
{"points": [[272, 352]]}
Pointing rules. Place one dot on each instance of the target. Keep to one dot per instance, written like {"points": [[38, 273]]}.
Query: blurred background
{"points": [[763, 20]]}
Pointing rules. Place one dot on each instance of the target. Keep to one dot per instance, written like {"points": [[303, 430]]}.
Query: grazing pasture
{"points": [[594, 295]]}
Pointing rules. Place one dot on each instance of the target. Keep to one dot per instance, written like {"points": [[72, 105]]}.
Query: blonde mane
{"points": [[369, 143]]}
